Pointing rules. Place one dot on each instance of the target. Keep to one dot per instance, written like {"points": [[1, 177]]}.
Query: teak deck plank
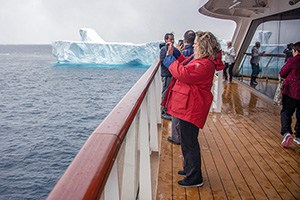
{"points": [[241, 153], [273, 169], [179, 192], [219, 160], [227, 156], [164, 185], [246, 164], [211, 178]]}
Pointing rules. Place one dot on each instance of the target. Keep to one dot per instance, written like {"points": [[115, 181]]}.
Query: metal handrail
{"points": [[267, 55], [241, 69]]}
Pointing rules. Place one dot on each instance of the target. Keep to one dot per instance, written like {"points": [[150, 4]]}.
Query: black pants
{"points": [[165, 84], [255, 72], [191, 151], [289, 106], [175, 130], [228, 66]]}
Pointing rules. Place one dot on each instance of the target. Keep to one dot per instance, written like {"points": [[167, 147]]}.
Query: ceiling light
{"points": [[234, 5]]}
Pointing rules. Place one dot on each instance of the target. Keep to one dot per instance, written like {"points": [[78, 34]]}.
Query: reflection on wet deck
{"points": [[241, 154], [265, 86]]}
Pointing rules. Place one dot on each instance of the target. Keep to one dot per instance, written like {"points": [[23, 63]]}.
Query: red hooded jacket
{"points": [[189, 95]]}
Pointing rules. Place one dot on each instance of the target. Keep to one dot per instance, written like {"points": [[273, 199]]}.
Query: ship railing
{"points": [[118, 159], [268, 69]]}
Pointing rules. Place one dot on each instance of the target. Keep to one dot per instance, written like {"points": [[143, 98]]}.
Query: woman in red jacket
{"points": [[291, 97], [189, 98]]}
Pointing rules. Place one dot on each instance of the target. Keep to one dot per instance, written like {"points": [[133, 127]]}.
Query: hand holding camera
{"points": [[180, 45], [170, 48]]}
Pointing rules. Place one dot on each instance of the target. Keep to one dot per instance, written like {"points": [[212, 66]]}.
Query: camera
{"points": [[180, 42]]}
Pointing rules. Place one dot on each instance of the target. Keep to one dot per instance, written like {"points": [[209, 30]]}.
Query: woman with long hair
{"points": [[189, 98]]}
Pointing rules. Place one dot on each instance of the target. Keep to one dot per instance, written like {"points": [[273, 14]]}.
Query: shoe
{"points": [[186, 184], [287, 138], [170, 139], [166, 116], [297, 140], [181, 173]]}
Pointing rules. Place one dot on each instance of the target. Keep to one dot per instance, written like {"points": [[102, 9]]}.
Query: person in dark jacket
{"points": [[291, 97], [254, 61], [189, 98], [188, 51], [166, 76], [189, 37], [288, 51]]}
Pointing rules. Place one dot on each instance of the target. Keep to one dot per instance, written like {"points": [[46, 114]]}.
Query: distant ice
{"points": [[93, 49], [90, 35]]}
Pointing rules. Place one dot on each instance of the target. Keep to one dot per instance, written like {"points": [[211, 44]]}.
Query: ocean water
{"points": [[47, 112]]}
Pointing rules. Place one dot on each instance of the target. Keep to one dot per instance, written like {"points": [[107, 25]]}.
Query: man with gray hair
{"points": [[229, 56], [255, 62]]}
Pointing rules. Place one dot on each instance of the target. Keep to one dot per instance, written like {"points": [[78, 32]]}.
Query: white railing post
{"points": [[111, 190], [217, 90], [158, 89], [130, 172], [152, 118], [145, 191]]}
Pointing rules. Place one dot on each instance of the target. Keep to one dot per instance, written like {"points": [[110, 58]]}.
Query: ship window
{"points": [[274, 34]]}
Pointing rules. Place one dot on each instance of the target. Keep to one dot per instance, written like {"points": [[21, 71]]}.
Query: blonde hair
{"points": [[208, 45]]}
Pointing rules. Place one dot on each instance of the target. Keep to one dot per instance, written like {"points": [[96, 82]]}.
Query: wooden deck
{"points": [[241, 154]]}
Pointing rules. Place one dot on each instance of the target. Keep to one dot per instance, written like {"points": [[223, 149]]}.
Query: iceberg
{"points": [[92, 49]]}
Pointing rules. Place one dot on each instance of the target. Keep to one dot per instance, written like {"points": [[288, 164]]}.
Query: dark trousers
{"points": [[255, 72], [165, 84], [229, 67], [191, 151], [289, 106], [175, 130]]}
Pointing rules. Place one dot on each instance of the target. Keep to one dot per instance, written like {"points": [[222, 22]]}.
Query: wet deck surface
{"points": [[241, 154], [267, 87]]}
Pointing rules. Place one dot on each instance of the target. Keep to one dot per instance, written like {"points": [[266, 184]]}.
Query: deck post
{"points": [[145, 191], [152, 118], [111, 190], [158, 89], [216, 90], [219, 91], [129, 180]]}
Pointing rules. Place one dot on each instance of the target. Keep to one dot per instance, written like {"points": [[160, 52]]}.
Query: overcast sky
{"points": [[137, 21]]}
